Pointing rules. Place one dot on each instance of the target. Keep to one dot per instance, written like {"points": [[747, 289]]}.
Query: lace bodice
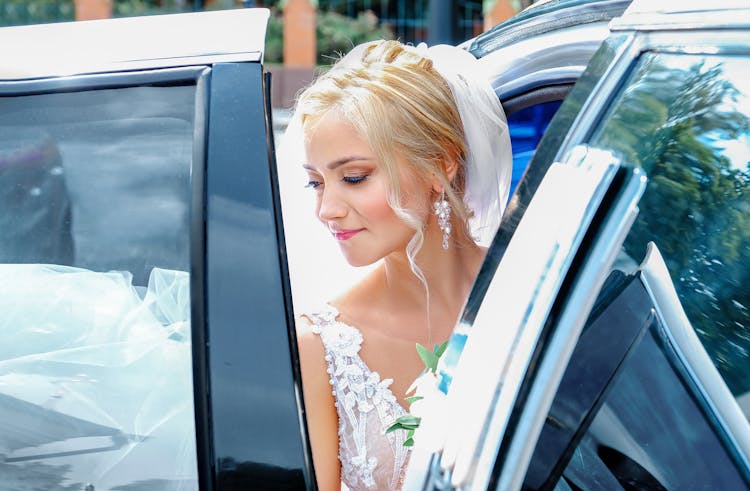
{"points": [[366, 407]]}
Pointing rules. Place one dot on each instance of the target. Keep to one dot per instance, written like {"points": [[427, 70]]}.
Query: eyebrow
{"points": [[339, 162]]}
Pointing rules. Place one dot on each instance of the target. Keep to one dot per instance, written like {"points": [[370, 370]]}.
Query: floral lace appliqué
{"points": [[366, 407]]}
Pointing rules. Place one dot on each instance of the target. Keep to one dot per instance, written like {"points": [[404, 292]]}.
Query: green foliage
{"points": [[405, 422], [336, 34], [431, 358], [130, 8], [409, 422], [671, 121], [23, 12], [274, 38]]}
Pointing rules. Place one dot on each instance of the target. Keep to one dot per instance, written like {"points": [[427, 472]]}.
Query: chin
{"points": [[358, 260]]}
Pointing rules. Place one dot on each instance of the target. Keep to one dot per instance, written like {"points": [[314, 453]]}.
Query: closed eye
{"points": [[313, 184], [353, 179]]}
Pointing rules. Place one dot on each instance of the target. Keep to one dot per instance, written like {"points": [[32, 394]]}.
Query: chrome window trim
{"points": [[565, 335], [132, 43], [531, 62], [692, 355], [584, 179], [602, 93], [589, 165]]}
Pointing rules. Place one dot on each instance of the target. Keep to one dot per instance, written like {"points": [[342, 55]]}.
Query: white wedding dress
{"points": [[370, 457]]}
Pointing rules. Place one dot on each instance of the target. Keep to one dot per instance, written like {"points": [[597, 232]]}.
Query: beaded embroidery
{"points": [[366, 407]]}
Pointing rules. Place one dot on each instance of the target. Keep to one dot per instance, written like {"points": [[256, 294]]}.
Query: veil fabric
{"points": [[489, 161]]}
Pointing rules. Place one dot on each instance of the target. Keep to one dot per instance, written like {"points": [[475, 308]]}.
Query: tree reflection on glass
{"points": [[675, 119]]}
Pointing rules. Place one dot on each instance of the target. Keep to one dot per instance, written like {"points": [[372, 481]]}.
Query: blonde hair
{"points": [[401, 105]]}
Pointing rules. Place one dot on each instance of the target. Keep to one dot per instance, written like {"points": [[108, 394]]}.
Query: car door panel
{"points": [[626, 87]]}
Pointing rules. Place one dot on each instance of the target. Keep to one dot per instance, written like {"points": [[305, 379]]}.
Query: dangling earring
{"points": [[443, 212]]}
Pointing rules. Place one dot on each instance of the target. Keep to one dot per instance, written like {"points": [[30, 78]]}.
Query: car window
{"points": [[96, 378], [684, 120], [630, 412], [526, 128], [624, 416]]}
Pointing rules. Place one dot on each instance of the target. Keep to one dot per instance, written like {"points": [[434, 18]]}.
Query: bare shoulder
{"points": [[311, 350], [320, 411]]}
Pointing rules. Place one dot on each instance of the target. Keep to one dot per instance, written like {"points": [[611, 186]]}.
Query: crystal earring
{"points": [[443, 212]]}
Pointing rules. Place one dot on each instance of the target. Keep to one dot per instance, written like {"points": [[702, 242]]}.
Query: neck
{"points": [[448, 273], [397, 301]]}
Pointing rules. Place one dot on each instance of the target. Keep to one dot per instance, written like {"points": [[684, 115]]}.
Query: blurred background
{"points": [[303, 35]]}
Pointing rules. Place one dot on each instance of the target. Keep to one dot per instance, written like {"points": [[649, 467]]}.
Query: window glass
{"points": [[95, 366], [625, 416], [684, 120], [650, 433], [526, 128]]}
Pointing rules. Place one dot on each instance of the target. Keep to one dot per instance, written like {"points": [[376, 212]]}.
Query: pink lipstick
{"points": [[345, 234]]}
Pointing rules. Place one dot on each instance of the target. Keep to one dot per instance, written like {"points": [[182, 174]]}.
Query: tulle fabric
{"points": [[489, 163], [102, 373]]}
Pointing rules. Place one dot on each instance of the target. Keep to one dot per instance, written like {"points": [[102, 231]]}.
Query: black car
{"points": [[146, 305]]}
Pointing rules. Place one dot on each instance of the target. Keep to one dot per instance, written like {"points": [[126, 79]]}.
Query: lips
{"points": [[345, 234]]}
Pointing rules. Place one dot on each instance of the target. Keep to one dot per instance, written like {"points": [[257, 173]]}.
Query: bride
{"points": [[408, 156]]}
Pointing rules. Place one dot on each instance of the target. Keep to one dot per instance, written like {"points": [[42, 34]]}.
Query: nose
{"points": [[330, 205]]}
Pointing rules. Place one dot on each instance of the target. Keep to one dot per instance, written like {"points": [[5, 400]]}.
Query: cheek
{"points": [[374, 205]]}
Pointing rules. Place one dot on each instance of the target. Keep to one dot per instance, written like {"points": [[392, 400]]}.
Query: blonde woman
{"points": [[409, 158]]}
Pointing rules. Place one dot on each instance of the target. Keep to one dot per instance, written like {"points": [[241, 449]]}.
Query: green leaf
{"points": [[413, 399], [409, 442], [394, 427], [408, 420], [439, 350], [405, 422], [428, 357]]}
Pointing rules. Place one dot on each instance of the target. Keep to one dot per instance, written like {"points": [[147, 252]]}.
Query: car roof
{"points": [[674, 6], [135, 43], [648, 15], [550, 47], [541, 18]]}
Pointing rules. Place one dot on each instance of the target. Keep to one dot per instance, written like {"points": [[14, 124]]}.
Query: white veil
{"points": [[489, 162]]}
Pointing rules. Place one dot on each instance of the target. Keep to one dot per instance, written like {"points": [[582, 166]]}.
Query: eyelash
{"points": [[354, 179], [346, 179]]}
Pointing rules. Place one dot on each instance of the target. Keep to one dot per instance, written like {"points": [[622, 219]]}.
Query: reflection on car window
{"points": [[683, 118], [97, 179], [95, 290], [650, 433], [625, 416]]}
